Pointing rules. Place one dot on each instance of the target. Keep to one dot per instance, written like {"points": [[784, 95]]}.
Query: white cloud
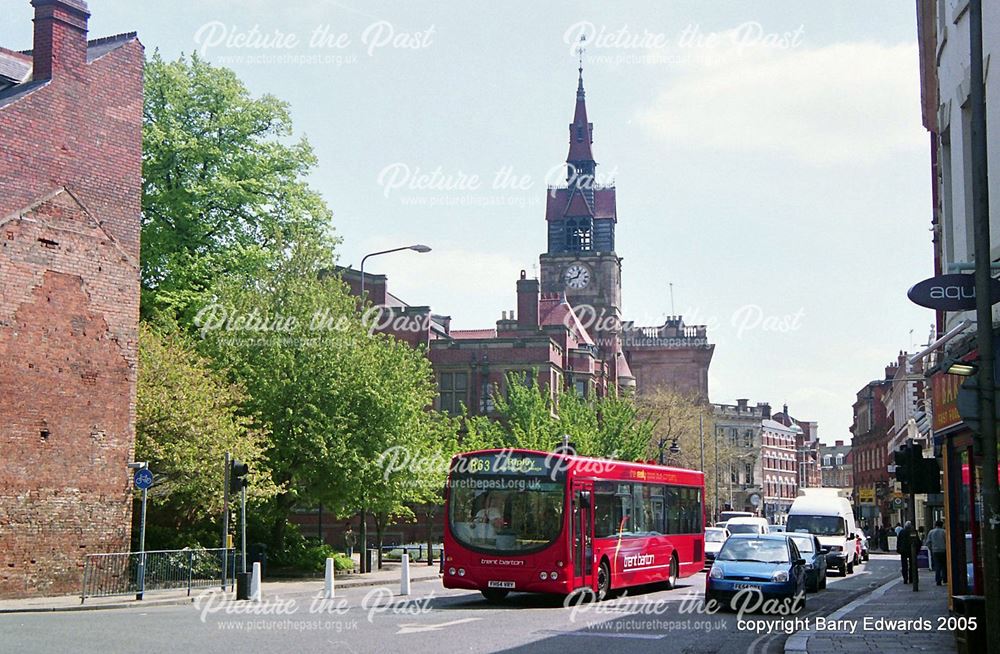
{"points": [[842, 103]]}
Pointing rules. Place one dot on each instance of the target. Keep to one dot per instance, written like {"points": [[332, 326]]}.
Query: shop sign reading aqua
{"points": [[950, 292]]}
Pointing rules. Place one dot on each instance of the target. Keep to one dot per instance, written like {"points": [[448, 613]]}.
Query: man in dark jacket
{"points": [[903, 548]]}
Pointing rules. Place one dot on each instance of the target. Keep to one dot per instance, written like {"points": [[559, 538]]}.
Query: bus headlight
{"points": [[543, 576], [554, 576], [461, 572], [451, 571]]}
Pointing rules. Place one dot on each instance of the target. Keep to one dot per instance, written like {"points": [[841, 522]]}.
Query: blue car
{"points": [[811, 550], [754, 570]]}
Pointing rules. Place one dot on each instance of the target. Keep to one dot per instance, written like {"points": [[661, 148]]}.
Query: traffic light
{"points": [[238, 476], [901, 458], [914, 472], [929, 477]]}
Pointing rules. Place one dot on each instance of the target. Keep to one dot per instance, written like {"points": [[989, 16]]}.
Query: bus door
{"points": [[582, 534]]}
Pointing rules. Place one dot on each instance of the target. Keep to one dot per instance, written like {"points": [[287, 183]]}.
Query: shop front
{"points": [[962, 501]]}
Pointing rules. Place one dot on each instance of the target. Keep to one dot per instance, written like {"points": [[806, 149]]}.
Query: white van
{"points": [[831, 519], [744, 525]]}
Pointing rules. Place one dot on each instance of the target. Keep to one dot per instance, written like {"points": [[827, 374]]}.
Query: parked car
{"points": [[743, 525], [714, 539], [812, 552], [768, 563]]}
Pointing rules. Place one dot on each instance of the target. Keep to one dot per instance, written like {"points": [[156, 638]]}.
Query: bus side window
{"points": [[604, 498], [673, 505], [623, 510]]}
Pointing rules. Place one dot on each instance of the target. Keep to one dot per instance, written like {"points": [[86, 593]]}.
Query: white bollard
{"points": [[255, 583], [328, 588], [404, 578]]}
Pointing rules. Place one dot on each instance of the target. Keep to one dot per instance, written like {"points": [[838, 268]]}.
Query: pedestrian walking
{"points": [[350, 540], [937, 544], [903, 548]]}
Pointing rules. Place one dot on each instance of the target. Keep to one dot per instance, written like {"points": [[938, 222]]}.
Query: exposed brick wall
{"points": [[70, 185]]}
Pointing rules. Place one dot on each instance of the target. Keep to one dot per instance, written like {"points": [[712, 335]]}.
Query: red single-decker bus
{"points": [[548, 522]]}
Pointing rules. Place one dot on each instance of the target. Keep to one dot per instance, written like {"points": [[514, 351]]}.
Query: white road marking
{"points": [[416, 627], [601, 634]]}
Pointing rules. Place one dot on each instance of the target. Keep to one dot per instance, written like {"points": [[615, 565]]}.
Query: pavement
{"points": [[892, 619], [389, 575]]}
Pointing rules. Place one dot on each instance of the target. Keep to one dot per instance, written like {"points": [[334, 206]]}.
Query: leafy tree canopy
{"points": [[223, 183], [188, 416]]}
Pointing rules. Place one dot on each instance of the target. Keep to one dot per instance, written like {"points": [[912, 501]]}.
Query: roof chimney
{"points": [[839, 443], [741, 405], [527, 302], [60, 37]]}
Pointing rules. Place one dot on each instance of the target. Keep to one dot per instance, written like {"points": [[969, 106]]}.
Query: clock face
{"points": [[577, 276]]}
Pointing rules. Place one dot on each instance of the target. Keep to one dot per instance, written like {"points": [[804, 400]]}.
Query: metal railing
{"points": [[134, 573], [417, 552]]}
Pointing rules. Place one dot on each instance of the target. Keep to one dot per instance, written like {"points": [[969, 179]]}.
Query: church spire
{"points": [[580, 160]]}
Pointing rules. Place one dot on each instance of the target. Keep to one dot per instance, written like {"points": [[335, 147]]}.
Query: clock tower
{"points": [[580, 259]]}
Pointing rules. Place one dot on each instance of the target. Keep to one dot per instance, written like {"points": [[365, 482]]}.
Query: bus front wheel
{"points": [[603, 581], [494, 594]]}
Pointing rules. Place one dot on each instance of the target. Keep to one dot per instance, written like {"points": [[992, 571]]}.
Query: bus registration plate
{"points": [[501, 584]]}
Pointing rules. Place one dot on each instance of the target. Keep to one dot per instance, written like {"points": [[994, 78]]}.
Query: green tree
{"points": [[187, 416], [223, 184], [528, 416], [688, 421], [331, 395]]}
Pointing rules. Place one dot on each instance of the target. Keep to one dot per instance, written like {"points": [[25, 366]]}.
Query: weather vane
{"points": [[580, 49]]}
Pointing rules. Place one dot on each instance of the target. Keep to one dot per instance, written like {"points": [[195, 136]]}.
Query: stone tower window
{"points": [[579, 235]]}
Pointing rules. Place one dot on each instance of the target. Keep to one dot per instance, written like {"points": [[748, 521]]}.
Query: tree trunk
{"points": [[430, 534], [379, 528], [283, 504], [364, 540]]}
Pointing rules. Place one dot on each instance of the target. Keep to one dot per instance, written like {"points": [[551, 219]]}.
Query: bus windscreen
{"points": [[505, 514]]}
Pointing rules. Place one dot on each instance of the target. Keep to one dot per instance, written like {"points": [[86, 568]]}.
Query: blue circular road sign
{"points": [[143, 478]]}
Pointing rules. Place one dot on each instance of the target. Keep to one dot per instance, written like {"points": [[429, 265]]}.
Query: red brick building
{"points": [[70, 188], [869, 448]]}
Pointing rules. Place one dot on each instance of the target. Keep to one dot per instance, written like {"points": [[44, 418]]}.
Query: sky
{"points": [[769, 158]]}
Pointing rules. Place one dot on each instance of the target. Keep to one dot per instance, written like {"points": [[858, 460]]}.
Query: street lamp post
{"points": [[701, 438], [141, 567], [984, 322], [364, 510], [416, 248], [717, 430]]}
